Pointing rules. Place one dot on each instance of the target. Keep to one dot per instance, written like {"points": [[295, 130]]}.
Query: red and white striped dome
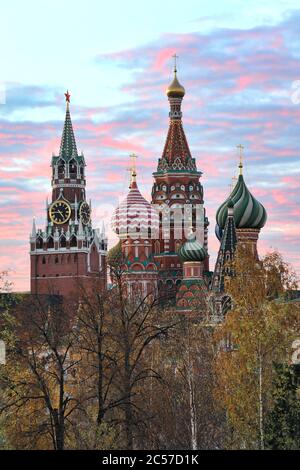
{"points": [[135, 217]]}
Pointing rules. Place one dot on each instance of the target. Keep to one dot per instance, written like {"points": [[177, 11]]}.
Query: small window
{"points": [[73, 169], [50, 242], [73, 241], [61, 170], [39, 243], [63, 242]]}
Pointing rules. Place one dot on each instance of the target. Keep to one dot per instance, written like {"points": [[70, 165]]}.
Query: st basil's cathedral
{"points": [[164, 243]]}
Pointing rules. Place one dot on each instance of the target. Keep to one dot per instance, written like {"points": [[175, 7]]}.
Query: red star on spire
{"points": [[67, 95]]}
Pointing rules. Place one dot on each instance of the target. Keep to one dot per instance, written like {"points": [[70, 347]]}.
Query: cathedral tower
{"points": [[68, 252], [249, 214], [178, 193], [221, 301], [192, 293], [135, 221]]}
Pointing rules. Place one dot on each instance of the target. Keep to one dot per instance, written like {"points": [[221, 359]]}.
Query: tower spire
{"points": [[67, 95], [240, 147], [175, 57], [33, 230], [227, 247], [175, 89], [68, 148], [133, 158], [176, 154]]}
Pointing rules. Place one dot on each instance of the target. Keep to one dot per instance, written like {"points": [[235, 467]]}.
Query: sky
{"points": [[238, 61]]}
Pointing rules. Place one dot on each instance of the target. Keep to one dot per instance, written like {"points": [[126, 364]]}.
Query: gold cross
{"points": [[175, 57], [133, 158], [241, 148]]}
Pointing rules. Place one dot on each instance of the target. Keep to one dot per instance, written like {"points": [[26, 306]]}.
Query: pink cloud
{"points": [[230, 78]]}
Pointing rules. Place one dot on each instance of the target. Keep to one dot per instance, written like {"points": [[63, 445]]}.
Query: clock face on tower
{"points": [[85, 213], [60, 212]]}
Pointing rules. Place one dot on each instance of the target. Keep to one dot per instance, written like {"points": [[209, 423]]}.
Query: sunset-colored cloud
{"points": [[238, 90]]}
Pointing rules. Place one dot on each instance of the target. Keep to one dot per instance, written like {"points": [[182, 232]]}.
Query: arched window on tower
{"points": [[73, 169], [39, 243], [157, 247], [73, 241], [61, 169], [82, 171], [50, 242], [63, 241]]}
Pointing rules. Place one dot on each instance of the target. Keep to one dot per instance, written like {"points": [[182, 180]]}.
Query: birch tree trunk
{"points": [[261, 420], [193, 415]]}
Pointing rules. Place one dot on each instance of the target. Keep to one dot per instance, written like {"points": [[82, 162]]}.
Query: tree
{"points": [[257, 332], [99, 364], [283, 422], [136, 322], [35, 380], [5, 283], [8, 300], [185, 415]]}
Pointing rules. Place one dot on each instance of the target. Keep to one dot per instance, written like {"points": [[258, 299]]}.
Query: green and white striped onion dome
{"points": [[247, 212], [192, 250]]}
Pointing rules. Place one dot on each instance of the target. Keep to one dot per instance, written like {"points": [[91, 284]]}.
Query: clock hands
{"points": [[60, 212]]}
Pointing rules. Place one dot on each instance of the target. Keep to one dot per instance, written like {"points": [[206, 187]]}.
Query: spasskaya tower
{"points": [[68, 252]]}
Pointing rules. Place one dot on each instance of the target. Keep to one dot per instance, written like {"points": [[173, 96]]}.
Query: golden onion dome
{"points": [[175, 90]]}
